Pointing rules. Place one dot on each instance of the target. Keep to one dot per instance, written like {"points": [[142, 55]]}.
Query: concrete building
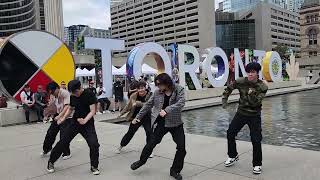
{"points": [[17, 15], [97, 33], [235, 34], [73, 33], [310, 28], [53, 14], [164, 22], [274, 26], [239, 5], [294, 5]]}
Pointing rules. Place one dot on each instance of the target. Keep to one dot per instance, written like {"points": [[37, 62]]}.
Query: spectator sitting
{"points": [[103, 101], [28, 102], [50, 110]]}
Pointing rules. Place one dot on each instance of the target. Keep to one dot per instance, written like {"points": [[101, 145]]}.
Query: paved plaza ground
{"points": [[20, 148]]}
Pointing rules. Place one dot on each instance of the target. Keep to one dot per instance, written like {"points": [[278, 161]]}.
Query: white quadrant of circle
{"points": [[37, 46]]}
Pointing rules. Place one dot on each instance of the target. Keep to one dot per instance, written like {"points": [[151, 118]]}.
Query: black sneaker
{"points": [[175, 175], [136, 165], [50, 167], [95, 171]]}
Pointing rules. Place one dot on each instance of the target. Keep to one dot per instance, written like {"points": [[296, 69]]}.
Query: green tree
{"points": [[283, 52]]}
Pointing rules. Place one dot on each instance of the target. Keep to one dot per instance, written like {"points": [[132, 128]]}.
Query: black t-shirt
{"points": [[141, 99], [118, 89], [93, 90], [82, 104], [166, 101]]}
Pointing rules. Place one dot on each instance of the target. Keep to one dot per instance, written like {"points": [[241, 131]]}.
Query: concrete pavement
{"points": [[20, 148]]}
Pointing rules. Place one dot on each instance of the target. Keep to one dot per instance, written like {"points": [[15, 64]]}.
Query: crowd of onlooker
{"points": [[45, 105]]}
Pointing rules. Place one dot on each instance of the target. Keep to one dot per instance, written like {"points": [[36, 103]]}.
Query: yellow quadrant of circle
{"points": [[265, 69], [60, 67]]}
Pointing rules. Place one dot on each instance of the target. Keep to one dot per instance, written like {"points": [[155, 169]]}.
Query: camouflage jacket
{"points": [[251, 95]]}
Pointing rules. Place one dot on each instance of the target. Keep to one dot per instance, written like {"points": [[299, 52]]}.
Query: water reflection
{"points": [[291, 120]]}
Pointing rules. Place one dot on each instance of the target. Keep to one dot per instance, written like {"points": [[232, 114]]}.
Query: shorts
{"points": [[118, 99]]}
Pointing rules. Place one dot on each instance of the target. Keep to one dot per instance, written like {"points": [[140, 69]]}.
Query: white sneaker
{"points": [[118, 150], [95, 171], [231, 161], [107, 112], [257, 170], [66, 157], [151, 156], [43, 154], [98, 113], [50, 119]]}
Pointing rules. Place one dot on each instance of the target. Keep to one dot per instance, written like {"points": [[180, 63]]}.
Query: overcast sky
{"points": [[95, 13]]}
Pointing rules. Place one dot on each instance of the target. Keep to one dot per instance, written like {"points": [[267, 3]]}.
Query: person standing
{"points": [[40, 98], [83, 105], [62, 102], [92, 88], [252, 91], [118, 94], [136, 102], [103, 101], [28, 102], [167, 104]]}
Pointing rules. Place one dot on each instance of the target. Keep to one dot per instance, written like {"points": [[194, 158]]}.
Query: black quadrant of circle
{"points": [[15, 68]]}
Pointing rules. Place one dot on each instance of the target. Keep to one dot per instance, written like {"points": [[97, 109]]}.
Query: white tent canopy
{"points": [[146, 69]]}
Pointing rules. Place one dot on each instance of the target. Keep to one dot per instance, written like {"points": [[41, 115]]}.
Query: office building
{"points": [[164, 22], [19, 15], [310, 28], [274, 26], [239, 5], [294, 5]]}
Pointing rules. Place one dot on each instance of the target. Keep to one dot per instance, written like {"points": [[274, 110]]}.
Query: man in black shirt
{"points": [[92, 88], [118, 94], [83, 104]]}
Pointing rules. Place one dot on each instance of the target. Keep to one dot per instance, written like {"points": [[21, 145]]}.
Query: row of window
{"points": [[285, 14], [312, 18], [285, 44], [285, 38], [17, 18], [17, 11], [146, 26], [285, 26], [152, 12], [148, 7], [284, 32], [284, 20], [19, 25], [158, 34]]}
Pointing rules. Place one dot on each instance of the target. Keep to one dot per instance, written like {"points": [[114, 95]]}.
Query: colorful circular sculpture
{"points": [[34, 58]]}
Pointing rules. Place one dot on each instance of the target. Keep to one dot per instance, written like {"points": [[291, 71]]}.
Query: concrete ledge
{"points": [[216, 92], [13, 116]]}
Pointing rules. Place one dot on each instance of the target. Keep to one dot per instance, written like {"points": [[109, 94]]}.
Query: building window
{"points": [[312, 35], [313, 53]]}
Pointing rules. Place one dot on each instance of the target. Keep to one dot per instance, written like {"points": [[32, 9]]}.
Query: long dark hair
{"points": [[164, 79]]}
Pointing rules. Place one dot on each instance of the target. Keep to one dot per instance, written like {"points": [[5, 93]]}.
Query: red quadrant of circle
{"points": [[39, 79]]}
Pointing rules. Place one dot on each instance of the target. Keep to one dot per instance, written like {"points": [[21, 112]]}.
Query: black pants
{"points": [[105, 103], [178, 137], [27, 110], [254, 123], [52, 134], [133, 128], [88, 132]]}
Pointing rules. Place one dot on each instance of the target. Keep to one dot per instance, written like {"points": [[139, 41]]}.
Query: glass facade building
{"points": [[16, 15], [238, 5], [235, 34]]}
